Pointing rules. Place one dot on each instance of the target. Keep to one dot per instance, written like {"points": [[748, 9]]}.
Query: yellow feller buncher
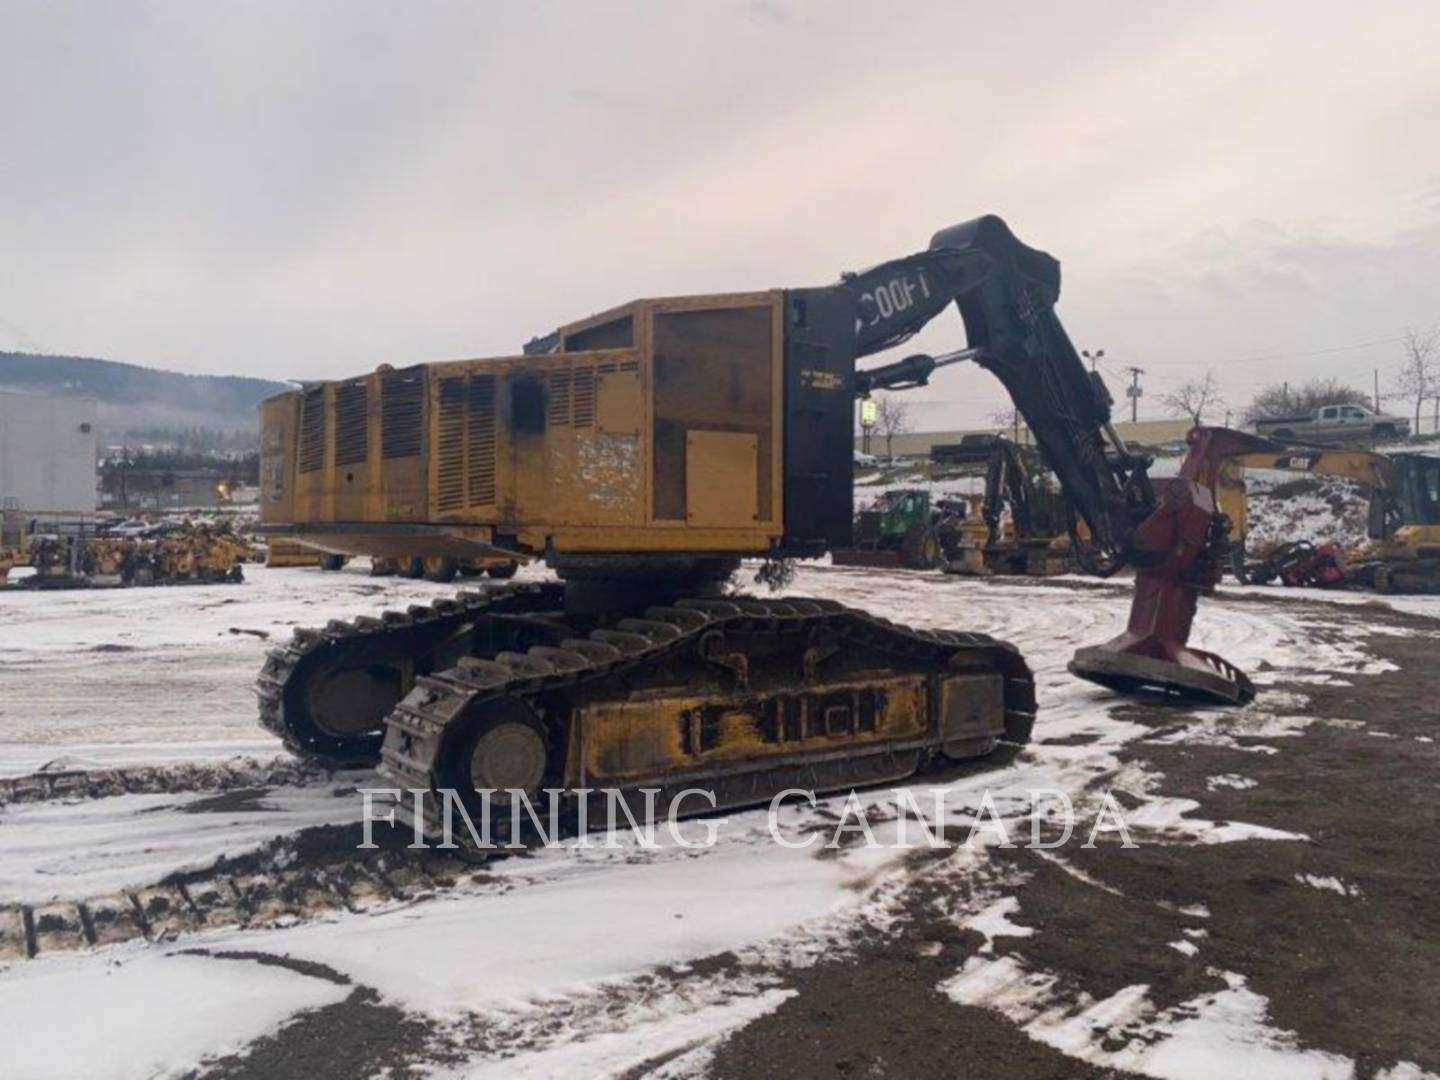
{"points": [[642, 453]]}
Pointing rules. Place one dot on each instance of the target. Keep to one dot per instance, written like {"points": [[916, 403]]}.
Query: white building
{"points": [[47, 453]]}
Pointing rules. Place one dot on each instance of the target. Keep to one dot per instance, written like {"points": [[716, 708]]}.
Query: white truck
{"points": [[1334, 424]]}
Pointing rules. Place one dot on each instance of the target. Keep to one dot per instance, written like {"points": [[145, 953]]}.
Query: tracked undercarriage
{"points": [[738, 697]]}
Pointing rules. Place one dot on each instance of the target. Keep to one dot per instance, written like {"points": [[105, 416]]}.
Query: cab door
{"points": [[1328, 423]]}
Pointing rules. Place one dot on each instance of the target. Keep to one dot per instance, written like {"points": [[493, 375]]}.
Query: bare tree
{"points": [[1193, 398], [1417, 378], [892, 417], [1009, 419], [1280, 399]]}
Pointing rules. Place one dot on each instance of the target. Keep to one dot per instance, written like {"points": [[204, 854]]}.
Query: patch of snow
{"points": [[994, 921], [1317, 679], [1189, 948], [141, 1015], [1225, 1033], [1195, 911], [1406, 1070], [1075, 872], [1224, 728], [87, 848], [1331, 884], [22, 759], [1229, 780], [86, 671], [1167, 815], [569, 930], [1286, 506], [686, 1040]]}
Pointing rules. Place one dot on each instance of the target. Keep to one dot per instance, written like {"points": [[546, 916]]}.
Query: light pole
{"points": [[1094, 358]]}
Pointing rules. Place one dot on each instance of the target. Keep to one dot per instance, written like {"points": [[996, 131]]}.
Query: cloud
{"points": [[308, 190]]}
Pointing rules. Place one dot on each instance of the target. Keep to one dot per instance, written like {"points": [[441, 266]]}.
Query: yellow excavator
{"points": [[1403, 520], [642, 453]]}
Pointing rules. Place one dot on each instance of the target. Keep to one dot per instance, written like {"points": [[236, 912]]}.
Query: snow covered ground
{"points": [[135, 676], [578, 959], [1287, 506]]}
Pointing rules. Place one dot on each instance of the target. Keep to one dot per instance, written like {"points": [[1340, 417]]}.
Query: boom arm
{"points": [[1006, 294]]}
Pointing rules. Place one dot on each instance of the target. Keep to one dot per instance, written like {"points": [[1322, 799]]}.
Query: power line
{"points": [[1297, 355]]}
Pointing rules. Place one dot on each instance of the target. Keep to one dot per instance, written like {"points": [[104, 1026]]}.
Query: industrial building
{"points": [[47, 456]]}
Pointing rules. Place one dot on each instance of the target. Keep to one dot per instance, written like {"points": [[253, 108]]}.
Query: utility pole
{"points": [[1377, 392], [1134, 392]]}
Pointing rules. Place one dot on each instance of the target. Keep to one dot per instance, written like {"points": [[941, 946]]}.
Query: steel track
{"points": [[416, 732]]}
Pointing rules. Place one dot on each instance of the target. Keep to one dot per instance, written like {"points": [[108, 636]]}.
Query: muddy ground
{"points": [[1354, 974], [1357, 976]]}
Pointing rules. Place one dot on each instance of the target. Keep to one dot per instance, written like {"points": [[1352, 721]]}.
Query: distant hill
{"points": [[132, 397]]}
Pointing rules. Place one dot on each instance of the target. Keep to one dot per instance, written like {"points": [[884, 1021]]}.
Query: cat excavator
{"points": [[1403, 523], [642, 453]]}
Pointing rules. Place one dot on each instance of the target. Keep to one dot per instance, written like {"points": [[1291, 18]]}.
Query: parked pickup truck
{"points": [[1334, 424]]}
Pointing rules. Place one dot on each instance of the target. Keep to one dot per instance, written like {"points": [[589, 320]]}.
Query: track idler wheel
{"points": [[346, 709], [501, 752]]}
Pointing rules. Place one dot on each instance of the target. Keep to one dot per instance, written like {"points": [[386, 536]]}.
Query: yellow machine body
{"points": [[655, 427]]}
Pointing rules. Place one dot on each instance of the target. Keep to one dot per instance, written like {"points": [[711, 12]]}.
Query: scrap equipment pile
{"points": [[166, 553]]}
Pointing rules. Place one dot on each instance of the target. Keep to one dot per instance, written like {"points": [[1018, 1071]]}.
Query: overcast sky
{"points": [[307, 189]]}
